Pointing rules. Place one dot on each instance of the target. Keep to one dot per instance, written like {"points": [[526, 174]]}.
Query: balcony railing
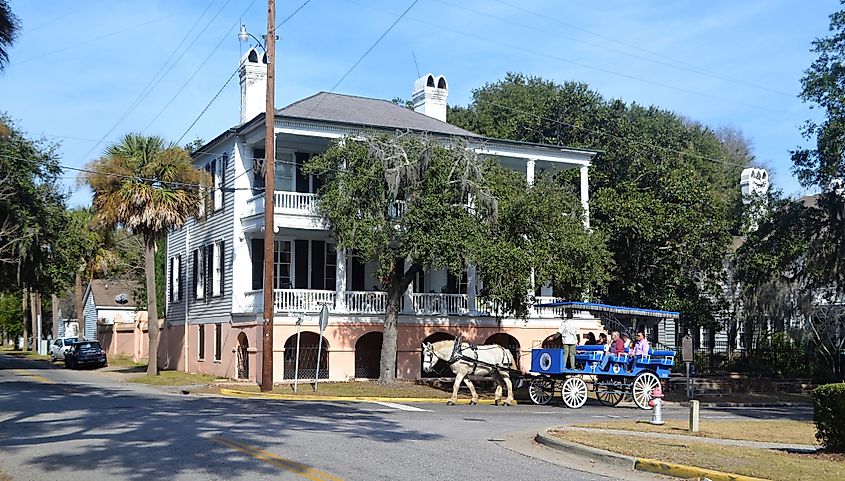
{"points": [[298, 203], [375, 303]]}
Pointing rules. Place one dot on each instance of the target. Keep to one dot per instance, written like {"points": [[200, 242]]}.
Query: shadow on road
{"points": [[137, 436]]}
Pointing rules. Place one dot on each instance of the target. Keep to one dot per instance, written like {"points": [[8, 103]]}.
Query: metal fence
{"points": [[307, 362]]}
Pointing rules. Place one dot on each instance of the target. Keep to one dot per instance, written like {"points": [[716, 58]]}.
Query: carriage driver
{"points": [[568, 336]]}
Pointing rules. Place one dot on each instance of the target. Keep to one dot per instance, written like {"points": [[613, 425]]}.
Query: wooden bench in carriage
{"points": [[611, 377]]}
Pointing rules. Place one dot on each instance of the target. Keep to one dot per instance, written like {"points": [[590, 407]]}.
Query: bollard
{"points": [[656, 402], [693, 416]]}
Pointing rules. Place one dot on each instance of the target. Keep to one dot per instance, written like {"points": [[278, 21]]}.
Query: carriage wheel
{"points": [[541, 391], [574, 392], [644, 383], [610, 394]]}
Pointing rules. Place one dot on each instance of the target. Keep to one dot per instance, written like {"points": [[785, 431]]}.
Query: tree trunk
{"points": [[152, 308], [77, 294], [25, 314], [54, 307], [398, 282]]}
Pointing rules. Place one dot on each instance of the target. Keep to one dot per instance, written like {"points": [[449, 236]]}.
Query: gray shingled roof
{"points": [[105, 291], [362, 111]]}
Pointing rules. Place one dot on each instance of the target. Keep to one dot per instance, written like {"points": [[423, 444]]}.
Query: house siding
{"points": [[89, 314], [216, 227]]}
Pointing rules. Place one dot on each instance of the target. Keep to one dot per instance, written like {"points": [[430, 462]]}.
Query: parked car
{"points": [[60, 347], [85, 353]]}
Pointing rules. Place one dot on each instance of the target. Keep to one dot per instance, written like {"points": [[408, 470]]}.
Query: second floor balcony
{"points": [[296, 209], [289, 301]]}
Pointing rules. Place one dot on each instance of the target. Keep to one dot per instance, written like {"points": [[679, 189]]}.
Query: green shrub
{"points": [[829, 416]]}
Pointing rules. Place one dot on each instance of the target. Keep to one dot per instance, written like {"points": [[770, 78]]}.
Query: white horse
{"points": [[462, 358]]}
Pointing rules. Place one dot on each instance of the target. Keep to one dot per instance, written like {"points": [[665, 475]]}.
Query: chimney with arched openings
{"points": [[253, 78], [430, 95]]}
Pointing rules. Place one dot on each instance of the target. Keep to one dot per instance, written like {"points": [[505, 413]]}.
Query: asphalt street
{"points": [[57, 424]]}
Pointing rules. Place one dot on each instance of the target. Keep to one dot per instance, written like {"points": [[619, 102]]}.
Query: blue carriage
{"points": [[611, 377]]}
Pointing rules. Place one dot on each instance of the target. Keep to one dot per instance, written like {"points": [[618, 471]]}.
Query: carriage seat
{"points": [[589, 356]]}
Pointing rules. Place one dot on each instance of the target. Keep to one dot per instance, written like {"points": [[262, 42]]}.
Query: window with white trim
{"points": [[201, 341], [175, 278], [217, 166], [199, 273], [217, 273], [218, 342]]}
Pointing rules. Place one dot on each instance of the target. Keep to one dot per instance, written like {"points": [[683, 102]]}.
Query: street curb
{"points": [[306, 397], [640, 464], [748, 405], [608, 457], [685, 472]]}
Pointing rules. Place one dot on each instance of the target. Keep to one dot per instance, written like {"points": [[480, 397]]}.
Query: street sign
{"points": [[324, 318], [687, 351]]}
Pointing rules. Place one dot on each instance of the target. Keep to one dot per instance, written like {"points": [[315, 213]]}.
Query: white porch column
{"points": [[585, 194], [408, 305], [340, 282], [529, 171], [530, 178], [472, 281]]}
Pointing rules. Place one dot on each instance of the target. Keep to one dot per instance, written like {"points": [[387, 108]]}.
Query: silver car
{"points": [[60, 346]]}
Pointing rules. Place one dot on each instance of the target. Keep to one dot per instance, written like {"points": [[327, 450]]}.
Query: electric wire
{"points": [[367, 52], [670, 64], [157, 77], [640, 49], [226, 83], [579, 64]]}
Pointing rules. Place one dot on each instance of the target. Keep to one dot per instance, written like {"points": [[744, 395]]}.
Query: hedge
{"points": [[829, 416]]}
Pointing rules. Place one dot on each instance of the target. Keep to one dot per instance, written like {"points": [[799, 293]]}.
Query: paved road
{"points": [[67, 425]]}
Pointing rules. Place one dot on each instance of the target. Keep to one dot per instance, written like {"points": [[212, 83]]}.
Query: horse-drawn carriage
{"points": [[611, 377]]}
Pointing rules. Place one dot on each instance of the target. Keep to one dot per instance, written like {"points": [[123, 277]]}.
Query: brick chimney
{"points": [[253, 78]]}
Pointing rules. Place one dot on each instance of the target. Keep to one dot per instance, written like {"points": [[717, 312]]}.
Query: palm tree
{"points": [[8, 30], [148, 187]]}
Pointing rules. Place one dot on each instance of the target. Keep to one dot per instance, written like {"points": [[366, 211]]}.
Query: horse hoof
{"points": [[473, 403], [450, 402], [507, 404], [496, 402]]}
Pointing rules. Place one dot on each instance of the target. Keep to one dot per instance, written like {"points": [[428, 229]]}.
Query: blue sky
{"points": [[78, 67]]}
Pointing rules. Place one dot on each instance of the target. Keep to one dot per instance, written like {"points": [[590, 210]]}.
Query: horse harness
{"points": [[458, 355]]}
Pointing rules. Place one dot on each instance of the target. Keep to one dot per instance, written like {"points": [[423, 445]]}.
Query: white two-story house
{"points": [[215, 266]]}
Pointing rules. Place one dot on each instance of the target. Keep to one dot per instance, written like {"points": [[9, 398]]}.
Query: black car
{"points": [[85, 353]]}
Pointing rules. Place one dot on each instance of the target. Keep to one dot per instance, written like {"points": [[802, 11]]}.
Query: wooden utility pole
{"points": [[269, 191]]}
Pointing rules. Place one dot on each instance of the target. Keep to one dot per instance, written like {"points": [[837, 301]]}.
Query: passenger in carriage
{"points": [[591, 339], [602, 339], [616, 347], [640, 349]]}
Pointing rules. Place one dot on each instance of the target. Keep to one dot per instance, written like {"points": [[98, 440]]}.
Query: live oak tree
{"points": [[391, 198], [663, 189], [408, 202], [148, 187], [9, 27]]}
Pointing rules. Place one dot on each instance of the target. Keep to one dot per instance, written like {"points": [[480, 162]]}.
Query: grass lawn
{"points": [[10, 351], [777, 431], [761, 463], [174, 378], [121, 360], [351, 389]]}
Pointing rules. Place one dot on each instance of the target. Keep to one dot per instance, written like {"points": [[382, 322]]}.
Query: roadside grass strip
{"points": [[783, 431], [676, 457], [317, 397], [34, 377], [286, 464]]}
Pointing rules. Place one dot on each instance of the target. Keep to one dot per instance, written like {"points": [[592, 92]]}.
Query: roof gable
{"points": [[106, 291]]}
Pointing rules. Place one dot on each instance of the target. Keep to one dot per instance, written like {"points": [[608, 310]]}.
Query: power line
{"points": [[364, 55], [579, 64], [640, 49], [671, 64], [157, 78], [85, 42], [226, 83], [201, 65]]}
